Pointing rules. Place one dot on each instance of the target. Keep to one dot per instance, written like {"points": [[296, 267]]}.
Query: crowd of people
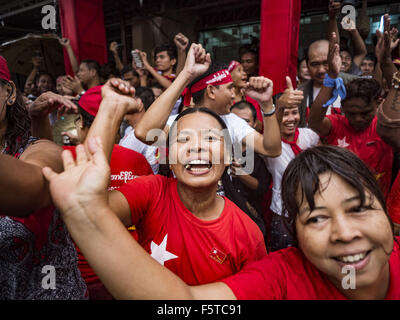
{"points": [[190, 179]]}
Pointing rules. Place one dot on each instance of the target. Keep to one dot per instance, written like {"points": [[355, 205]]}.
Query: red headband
{"points": [[233, 65], [214, 79], [4, 72]]}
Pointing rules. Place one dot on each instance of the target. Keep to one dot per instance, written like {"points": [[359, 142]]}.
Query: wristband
{"points": [[339, 89], [268, 114]]}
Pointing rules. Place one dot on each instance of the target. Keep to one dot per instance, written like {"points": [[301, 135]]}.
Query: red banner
{"points": [[82, 21], [279, 41]]}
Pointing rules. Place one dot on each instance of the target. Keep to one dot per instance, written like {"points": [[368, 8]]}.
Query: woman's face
{"points": [[304, 73], [290, 121], [239, 77], [196, 153], [339, 233]]}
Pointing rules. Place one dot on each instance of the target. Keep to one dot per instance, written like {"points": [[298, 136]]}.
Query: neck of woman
{"points": [[204, 203], [287, 137], [238, 94]]}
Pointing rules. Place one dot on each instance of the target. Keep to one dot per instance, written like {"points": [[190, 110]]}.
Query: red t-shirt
{"points": [[393, 201], [287, 275], [197, 251], [125, 165], [367, 145]]}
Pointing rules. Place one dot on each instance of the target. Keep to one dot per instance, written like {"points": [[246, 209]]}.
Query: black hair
{"points": [[171, 51], [367, 89], [18, 122], [304, 171], [253, 48], [127, 69], [41, 74], [371, 57], [87, 117], [198, 97], [146, 95], [108, 69], [156, 85], [241, 105], [92, 64]]}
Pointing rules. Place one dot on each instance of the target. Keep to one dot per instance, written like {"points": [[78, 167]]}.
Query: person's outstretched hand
{"points": [[260, 89], [84, 181], [334, 59], [121, 92], [49, 101], [197, 61]]}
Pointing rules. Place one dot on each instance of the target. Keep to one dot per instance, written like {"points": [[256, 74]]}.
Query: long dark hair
{"points": [[18, 122], [304, 171]]}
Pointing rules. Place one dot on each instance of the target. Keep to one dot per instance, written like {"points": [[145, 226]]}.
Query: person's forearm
{"points": [[123, 266], [32, 75], [157, 115], [118, 62], [106, 125], [181, 61], [73, 60], [165, 83], [41, 128], [377, 75], [318, 112], [360, 50], [388, 69], [333, 27], [271, 135], [22, 187]]}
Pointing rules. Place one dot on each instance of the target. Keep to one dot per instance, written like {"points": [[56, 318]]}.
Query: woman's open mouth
{"points": [[198, 167], [357, 261]]}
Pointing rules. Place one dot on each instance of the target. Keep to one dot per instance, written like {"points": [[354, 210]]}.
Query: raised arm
{"points": [[71, 54], [156, 116], [37, 62], [114, 50], [360, 50], [317, 120], [80, 193], [181, 42], [268, 143], [334, 10]]}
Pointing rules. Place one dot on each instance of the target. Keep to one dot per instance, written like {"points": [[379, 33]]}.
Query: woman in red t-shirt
{"points": [[345, 245]]}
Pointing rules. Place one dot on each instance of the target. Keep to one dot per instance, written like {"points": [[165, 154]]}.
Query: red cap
{"points": [[4, 72], [90, 100]]}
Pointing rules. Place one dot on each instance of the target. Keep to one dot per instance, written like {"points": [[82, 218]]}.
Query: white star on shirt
{"points": [[160, 253], [342, 143]]}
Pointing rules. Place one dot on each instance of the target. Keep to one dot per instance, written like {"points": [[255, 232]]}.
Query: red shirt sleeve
{"points": [[336, 127], [142, 193], [393, 202]]}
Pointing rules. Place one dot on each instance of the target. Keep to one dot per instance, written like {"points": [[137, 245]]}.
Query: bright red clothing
{"points": [[367, 145], [197, 251], [287, 275], [393, 201], [125, 165]]}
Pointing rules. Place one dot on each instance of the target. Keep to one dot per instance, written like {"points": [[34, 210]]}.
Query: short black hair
{"points": [[371, 57], [146, 95], [198, 97], [241, 105], [367, 89], [92, 64], [171, 51], [305, 169], [41, 74], [108, 69], [127, 69]]}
